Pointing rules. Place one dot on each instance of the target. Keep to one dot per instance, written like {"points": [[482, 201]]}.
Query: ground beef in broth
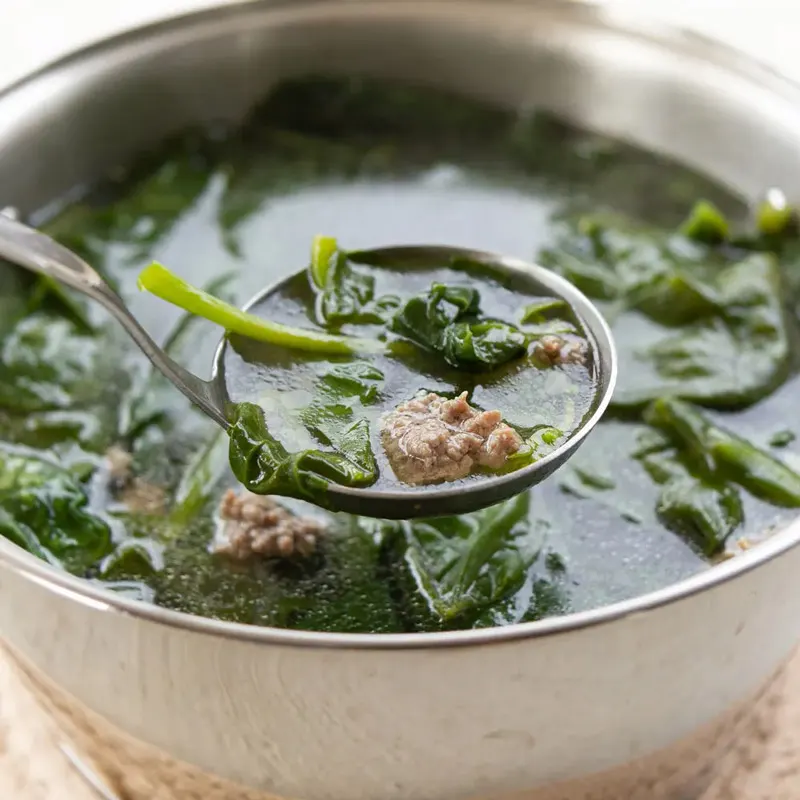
{"points": [[432, 439], [554, 349], [255, 525], [126, 488]]}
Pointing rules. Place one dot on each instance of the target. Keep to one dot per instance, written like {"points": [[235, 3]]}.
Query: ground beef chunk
{"points": [[256, 525], [554, 349], [432, 439], [120, 468], [134, 493]]}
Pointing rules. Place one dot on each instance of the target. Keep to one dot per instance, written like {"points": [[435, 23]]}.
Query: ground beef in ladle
{"points": [[432, 439], [254, 525]]}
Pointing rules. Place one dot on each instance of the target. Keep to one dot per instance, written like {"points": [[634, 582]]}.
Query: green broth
{"points": [[234, 210]]}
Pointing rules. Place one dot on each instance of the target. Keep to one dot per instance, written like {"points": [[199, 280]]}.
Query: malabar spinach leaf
{"points": [[463, 564], [345, 293], [709, 323], [705, 513], [724, 454], [44, 509], [265, 466], [447, 320]]}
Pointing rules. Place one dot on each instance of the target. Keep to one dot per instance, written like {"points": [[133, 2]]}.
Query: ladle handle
{"points": [[37, 252]]}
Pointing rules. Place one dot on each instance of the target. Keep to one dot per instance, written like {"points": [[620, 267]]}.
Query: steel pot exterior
{"points": [[472, 714], [453, 721]]}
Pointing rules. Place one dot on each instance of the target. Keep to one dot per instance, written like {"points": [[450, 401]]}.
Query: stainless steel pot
{"points": [[609, 701]]}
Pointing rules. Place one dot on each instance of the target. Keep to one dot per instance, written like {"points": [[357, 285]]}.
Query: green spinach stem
{"points": [[162, 283]]}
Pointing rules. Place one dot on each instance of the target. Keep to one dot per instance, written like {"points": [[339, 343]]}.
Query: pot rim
{"points": [[600, 13]]}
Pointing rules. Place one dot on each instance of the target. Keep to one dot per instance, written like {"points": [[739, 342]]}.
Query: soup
{"points": [[107, 472]]}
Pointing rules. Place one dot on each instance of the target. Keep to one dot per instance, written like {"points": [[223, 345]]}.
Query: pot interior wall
{"points": [[739, 125]]}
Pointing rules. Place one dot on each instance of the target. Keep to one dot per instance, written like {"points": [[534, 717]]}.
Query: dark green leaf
{"points": [[725, 454], [782, 438], [446, 320], [733, 347], [676, 297], [548, 599], [345, 293], [544, 310], [57, 384], [695, 501], [462, 564], [334, 417], [44, 509], [133, 559], [704, 513], [264, 466]]}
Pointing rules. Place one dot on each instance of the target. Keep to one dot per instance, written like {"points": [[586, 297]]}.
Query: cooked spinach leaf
{"points": [[447, 320], [724, 454], [782, 438], [463, 564], [707, 514], [59, 385], [133, 559], [43, 361], [694, 502], [545, 310], [43, 509], [346, 294], [265, 466], [733, 345], [332, 416]]}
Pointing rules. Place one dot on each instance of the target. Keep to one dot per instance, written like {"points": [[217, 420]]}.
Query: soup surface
{"points": [[107, 472]]}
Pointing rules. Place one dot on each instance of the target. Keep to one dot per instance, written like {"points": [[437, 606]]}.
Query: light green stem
{"points": [[162, 283]]}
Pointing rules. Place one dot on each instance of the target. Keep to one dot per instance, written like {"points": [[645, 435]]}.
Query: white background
{"points": [[33, 32]]}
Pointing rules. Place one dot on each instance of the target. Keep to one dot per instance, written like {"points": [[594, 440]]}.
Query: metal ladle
{"points": [[39, 253]]}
